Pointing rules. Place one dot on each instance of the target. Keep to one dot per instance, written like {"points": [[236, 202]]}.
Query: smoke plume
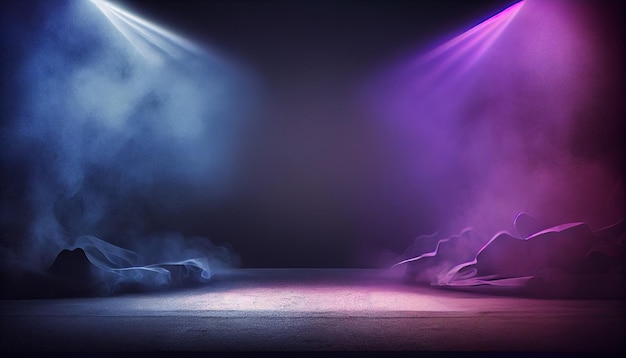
{"points": [[112, 125], [521, 113]]}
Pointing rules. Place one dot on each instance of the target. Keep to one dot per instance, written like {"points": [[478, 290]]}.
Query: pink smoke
{"points": [[519, 114]]}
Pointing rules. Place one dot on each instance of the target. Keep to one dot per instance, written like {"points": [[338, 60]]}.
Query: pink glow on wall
{"points": [[518, 114]]}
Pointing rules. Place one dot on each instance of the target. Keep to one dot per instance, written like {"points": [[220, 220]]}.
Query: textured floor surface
{"points": [[278, 309]]}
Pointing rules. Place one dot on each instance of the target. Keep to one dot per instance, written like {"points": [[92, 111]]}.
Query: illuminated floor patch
{"points": [[310, 310]]}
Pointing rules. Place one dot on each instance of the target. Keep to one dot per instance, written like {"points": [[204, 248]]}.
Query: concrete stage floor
{"points": [[279, 309]]}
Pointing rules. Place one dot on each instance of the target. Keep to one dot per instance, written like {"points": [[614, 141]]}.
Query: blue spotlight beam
{"points": [[151, 41]]}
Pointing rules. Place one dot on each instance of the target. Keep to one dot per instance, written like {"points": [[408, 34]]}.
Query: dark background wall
{"points": [[314, 182]]}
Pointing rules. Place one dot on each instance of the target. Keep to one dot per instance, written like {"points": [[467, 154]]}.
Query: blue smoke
{"points": [[107, 138]]}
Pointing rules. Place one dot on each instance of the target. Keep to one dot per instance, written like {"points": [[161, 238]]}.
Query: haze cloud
{"points": [[526, 120], [107, 141], [530, 122]]}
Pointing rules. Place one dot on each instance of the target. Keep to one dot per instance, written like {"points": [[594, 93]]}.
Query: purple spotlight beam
{"points": [[494, 122], [468, 47]]}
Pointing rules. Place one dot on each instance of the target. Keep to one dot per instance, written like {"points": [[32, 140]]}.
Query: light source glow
{"points": [[149, 39], [464, 50]]}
